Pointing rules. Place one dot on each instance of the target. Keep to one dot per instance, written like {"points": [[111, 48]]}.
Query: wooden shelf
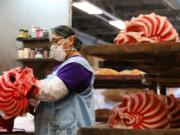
{"points": [[122, 81], [41, 66], [104, 130], [119, 77], [165, 81], [155, 59], [32, 39], [37, 60], [133, 52], [16, 133], [158, 60], [169, 69], [102, 115], [161, 61]]}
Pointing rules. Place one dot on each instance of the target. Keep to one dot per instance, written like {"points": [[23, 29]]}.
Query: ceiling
{"points": [[123, 9]]}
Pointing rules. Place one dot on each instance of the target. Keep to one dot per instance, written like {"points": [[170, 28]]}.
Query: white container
{"points": [[20, 54], [38, 55], [26, 53], [33, 32]]}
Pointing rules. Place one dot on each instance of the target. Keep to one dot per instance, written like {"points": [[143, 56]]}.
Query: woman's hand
{"points": [[33, 96], [34, 102], [33, 93]]}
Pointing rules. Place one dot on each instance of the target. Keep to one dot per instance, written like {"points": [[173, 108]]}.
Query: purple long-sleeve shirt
{"points": [[76, 77]]}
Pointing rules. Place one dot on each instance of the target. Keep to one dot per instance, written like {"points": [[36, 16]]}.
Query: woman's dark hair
{"points": [[65, 32]]}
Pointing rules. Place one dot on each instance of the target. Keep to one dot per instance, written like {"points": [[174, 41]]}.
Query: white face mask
{"points": [[57, 52]]}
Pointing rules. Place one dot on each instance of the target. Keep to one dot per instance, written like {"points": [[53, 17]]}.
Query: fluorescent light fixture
{"points": [[87, 7], [118, 24]]}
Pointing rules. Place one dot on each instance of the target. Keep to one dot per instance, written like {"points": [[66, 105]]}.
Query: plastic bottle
{"points": [[26, 52], [33, 31], [39, 53], [45, 53], [32, 54], [20, 53]]}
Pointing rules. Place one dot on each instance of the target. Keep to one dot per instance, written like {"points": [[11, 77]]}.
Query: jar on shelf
{"points": [[20, 53], [32, 54], [45, 53], [26, 34], [39, 32], [23, 34], [45, 33], [33, 31], [39, 53], [26, 53]]}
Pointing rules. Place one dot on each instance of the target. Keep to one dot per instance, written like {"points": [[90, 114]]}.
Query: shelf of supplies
{"points": [[32, 39], [37, 60]]}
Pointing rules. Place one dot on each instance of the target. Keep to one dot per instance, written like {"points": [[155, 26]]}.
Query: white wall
{"points": [[16, 14], [46, 13]]}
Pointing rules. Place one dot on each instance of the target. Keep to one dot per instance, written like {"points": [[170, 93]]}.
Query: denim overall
{"points": [[65, 116]]}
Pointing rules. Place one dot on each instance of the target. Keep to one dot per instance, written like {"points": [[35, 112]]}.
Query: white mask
{"points": [[57, 52]]}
